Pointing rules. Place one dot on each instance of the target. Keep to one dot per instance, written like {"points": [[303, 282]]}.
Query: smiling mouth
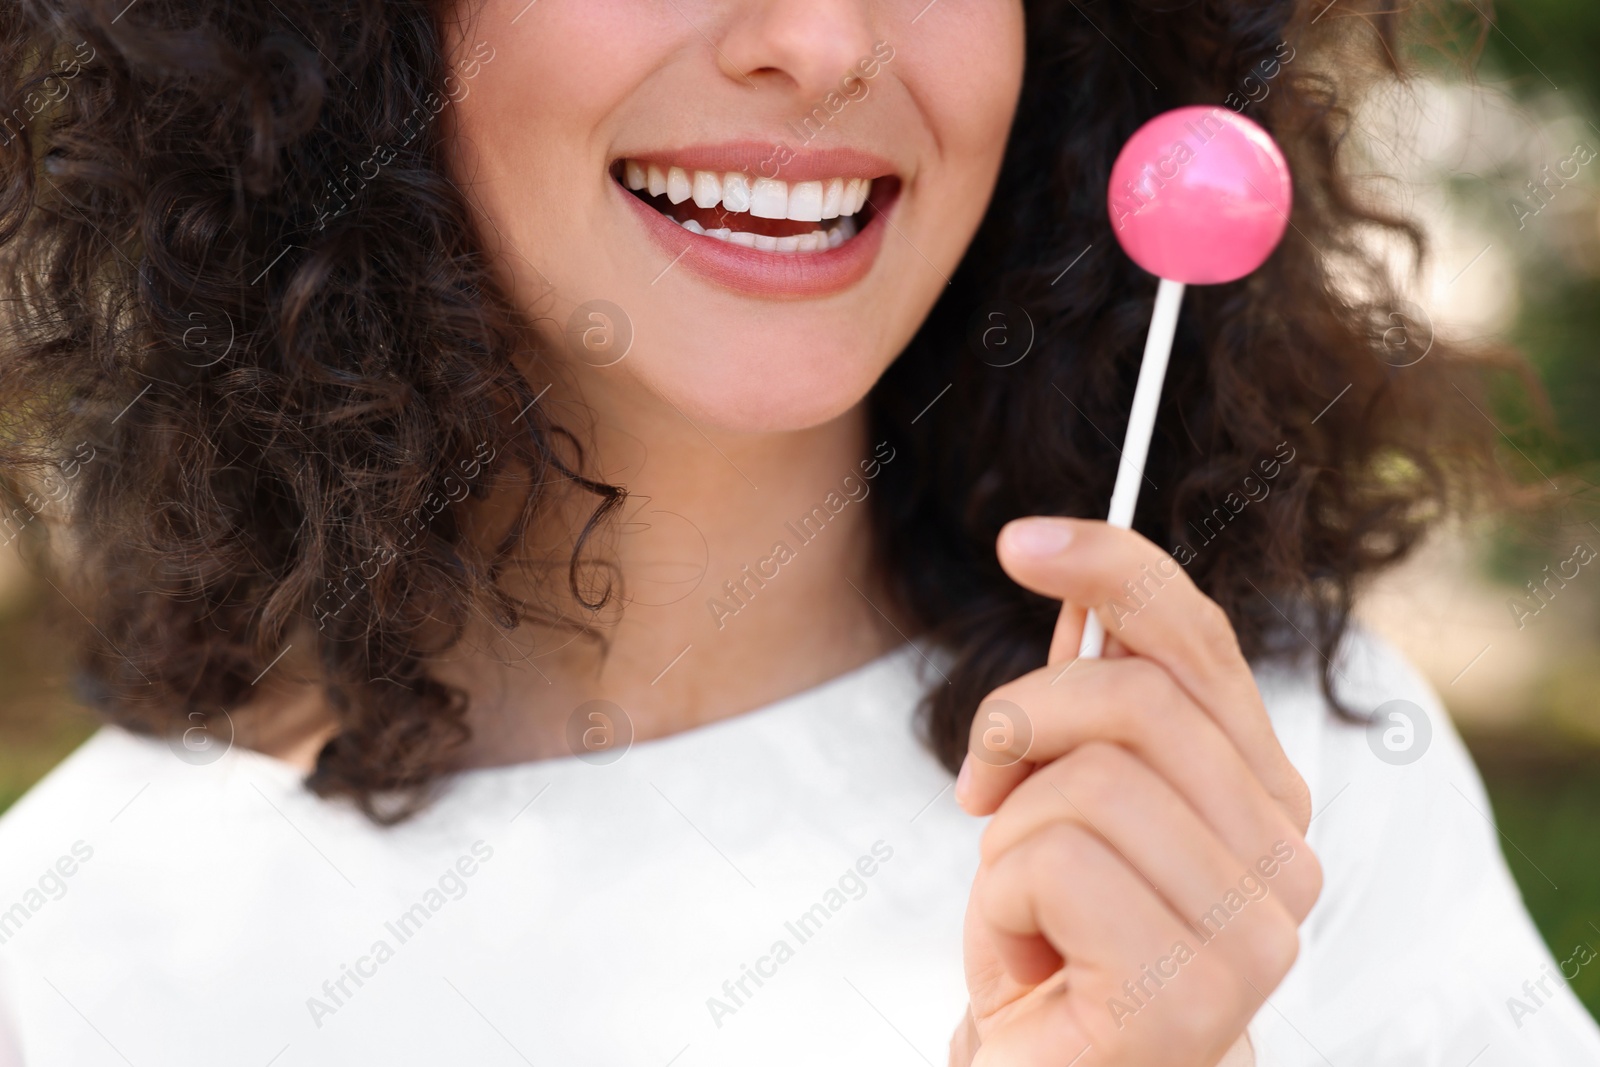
{"points": [[766, 214]]}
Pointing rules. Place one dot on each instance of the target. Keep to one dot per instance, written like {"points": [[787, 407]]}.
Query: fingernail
{"points": [[964, 779], [1039, 537]]}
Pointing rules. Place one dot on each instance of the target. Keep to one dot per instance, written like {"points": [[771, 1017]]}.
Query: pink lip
{"points": [[768, 274], [762, 159]]}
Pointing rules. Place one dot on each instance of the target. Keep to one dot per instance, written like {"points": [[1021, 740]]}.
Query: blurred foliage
{"points": [[1542, 55], [39, 721], [1545, 803], [1546, 793], [1540, 47], [1536, 40]]}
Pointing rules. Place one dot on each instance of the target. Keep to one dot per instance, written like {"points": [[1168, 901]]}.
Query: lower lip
{"points": [[768, 274]]}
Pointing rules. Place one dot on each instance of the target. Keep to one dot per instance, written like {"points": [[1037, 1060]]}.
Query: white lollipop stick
{"points": [[1136, 443], [1198, 196]]}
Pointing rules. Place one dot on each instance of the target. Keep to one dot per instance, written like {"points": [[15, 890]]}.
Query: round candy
{"points": [[1200, 195]]}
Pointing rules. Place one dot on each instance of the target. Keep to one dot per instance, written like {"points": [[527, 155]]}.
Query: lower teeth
{"points": [[815, 241]]}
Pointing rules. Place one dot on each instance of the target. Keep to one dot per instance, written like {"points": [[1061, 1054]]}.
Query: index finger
{"points": [[1148, 602]]}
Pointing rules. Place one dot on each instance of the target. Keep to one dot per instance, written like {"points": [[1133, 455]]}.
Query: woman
{"points": [[537, 457]]}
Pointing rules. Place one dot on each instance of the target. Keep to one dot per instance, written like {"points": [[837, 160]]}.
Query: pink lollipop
{"points": [[1198, 196]]}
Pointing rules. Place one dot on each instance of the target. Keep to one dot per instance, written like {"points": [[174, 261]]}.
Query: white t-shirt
{"points": [[782, 887]]}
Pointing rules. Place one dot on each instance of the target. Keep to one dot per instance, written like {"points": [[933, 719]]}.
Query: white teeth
{"points": [[805, 201], [735, 192], [815, 241], [707, 189], [769, 199], [833, 198], [678, 187]]}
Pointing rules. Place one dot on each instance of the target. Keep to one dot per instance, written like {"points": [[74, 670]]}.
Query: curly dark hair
{"points": [[266, 381]]}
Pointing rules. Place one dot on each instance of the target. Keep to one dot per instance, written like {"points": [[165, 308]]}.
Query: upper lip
{"points": [[769, 159]]}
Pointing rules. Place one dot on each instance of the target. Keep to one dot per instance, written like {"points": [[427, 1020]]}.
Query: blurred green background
{"points": [[1541, 753], [1497, 105]]}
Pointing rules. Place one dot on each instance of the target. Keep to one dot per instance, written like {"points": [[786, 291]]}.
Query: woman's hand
{"points": [[1144, 876]]}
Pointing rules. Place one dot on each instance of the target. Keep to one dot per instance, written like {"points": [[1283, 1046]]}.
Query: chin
{"points": [[759, 388]]}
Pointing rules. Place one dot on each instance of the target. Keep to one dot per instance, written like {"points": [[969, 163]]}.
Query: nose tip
{"points": [[812, 45]]}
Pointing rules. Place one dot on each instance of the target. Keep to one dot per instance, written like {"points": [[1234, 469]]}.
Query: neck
{"points": [[740, 567]]}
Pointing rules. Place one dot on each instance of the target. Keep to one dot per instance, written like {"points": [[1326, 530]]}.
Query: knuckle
{"points": [[1259, 952], [1215, 630], [1001, 731], [1059, 852], [1151, 689], [1298, 802], [1306, 884], [991, 892], [1315, 879], [998, 900], [1051, 851], [1139, 721], [1094, 772], [1013, 827], [1133, 701], [1194, 1018], [1272, 947]]}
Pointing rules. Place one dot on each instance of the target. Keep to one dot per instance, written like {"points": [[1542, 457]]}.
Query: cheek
{"points": [[530, 124], [569, 64], [966, 74], [528, 138]]}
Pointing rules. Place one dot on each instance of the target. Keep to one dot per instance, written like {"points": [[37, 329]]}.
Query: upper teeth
{"points": [[765, 198]]}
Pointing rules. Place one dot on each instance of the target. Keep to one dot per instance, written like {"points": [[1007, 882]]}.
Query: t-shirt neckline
{"points": [[886, 664]]}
